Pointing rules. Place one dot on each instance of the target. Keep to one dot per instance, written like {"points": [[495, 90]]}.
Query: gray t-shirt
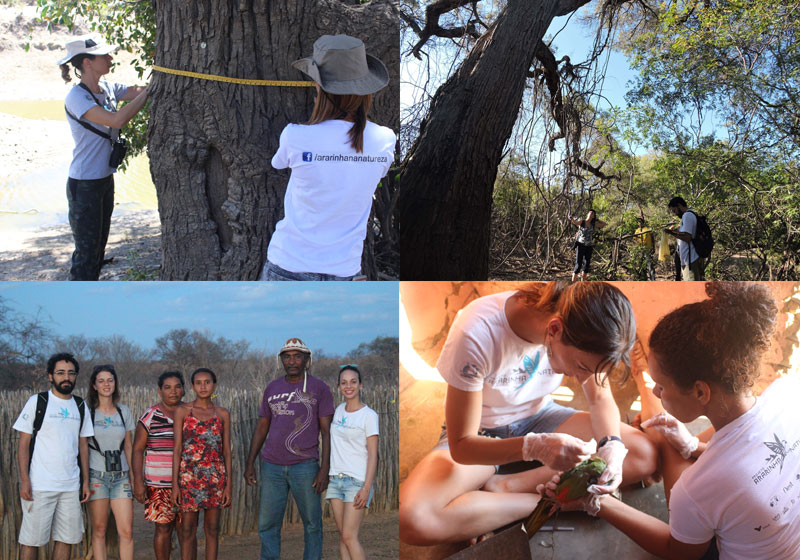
{"points": [[585, 233], [109, 432], [92, 152]]}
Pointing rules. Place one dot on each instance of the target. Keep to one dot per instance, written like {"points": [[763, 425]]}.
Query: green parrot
{"points": [[572, 486]]}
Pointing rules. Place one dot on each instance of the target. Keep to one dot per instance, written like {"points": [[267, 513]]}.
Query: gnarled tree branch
{"points": [[432, 28]]}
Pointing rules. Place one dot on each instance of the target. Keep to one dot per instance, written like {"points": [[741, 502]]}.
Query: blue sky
{"points": [[575, 40], [334, 317]]}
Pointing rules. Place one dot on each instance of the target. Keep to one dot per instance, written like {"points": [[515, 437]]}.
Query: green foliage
{"points": [[130, 25], [139, 271], [737, 58], [751, 198], [717, 107]]}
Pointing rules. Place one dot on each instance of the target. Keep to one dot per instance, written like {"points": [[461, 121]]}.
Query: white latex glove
{"points": [[674, 432], [613, 452], [560, 452], [590, 503]]}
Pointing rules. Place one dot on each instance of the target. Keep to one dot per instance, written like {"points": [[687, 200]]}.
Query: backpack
{"points": [[41, 408], [703, 241]]}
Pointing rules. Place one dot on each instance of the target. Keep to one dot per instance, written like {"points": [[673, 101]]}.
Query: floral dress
{"points": [[202, 476]]}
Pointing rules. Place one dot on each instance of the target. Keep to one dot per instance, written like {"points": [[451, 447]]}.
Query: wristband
{"points": [[606, 439]]}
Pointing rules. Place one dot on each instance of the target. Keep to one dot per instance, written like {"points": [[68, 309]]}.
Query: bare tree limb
{"points": [[432, 28]]}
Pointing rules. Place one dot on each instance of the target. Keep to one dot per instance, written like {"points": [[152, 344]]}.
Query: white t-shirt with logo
{"points": [[92, 152], [745, 487], [686, 248], [349, 433], [482, 353], [329, 195], [54, 465]]}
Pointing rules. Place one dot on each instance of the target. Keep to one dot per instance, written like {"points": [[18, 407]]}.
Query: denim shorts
{"points": [[273, 273], [545, 421], [345, 488], [109, 485]]}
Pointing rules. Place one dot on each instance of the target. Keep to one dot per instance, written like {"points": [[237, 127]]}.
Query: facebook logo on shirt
{"points": [[308, 156]]}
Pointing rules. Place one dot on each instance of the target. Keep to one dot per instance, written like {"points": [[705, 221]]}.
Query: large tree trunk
{"points": [[210, 143], [447, 179]]}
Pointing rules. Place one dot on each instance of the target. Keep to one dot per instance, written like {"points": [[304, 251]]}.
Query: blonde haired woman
{"points": [[337, 159]]}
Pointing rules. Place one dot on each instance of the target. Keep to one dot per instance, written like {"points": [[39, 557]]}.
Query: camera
{"points": [[113, 460], [119, 148]]}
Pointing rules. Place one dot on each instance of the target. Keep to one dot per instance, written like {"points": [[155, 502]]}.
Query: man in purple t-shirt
{"points": [[295, 410]]}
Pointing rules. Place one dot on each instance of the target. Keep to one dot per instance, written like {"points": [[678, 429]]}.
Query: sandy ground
{"points": [[37, 245], [378, 536], [44, 254]]}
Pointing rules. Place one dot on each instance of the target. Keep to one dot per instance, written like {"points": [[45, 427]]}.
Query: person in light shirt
{"points": [[51, 487], [336, 159], [109, 460], [505, 354], [734, 490], [95, 123], [354, 460]]}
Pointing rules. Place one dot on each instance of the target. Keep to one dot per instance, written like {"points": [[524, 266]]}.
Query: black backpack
{"points": [[41, 408], [703, 241]]}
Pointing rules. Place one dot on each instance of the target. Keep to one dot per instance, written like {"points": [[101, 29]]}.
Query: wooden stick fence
{"points": [[242, 517]]}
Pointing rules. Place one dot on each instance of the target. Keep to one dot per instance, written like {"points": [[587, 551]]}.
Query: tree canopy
{"points": [[712, 116]]}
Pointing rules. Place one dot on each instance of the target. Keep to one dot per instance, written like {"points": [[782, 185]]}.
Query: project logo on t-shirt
{"points": [[343, 425], [470, 371], [308, 156], [530, 368], [779, 450], [63, 414]]}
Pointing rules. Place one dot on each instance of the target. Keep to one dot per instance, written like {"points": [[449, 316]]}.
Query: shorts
{"points": [[158, 508], [109, 485], [545, 421], [273, 273], [345, 488], [56, 511]]}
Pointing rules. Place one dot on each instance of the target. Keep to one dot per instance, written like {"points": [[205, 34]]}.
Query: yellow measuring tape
{"points": [[279, 83]]}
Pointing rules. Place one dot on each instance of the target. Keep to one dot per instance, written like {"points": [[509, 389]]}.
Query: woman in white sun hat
{"points": [[337, 159], [93, 118]]}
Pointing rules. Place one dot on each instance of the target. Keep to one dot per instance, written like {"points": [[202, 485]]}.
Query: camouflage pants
{"points": [[91, 203]]}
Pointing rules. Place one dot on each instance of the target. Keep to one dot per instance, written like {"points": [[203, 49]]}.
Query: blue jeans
{"points": [[276, 482], [545, 421], [273, 273]]}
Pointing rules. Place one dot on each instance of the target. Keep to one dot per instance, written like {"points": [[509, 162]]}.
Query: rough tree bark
{"points": [[210, 143], [447, 178]]}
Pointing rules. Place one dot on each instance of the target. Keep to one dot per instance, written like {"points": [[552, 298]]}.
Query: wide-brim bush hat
{"points": [[86, 44], [341, 65]]}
